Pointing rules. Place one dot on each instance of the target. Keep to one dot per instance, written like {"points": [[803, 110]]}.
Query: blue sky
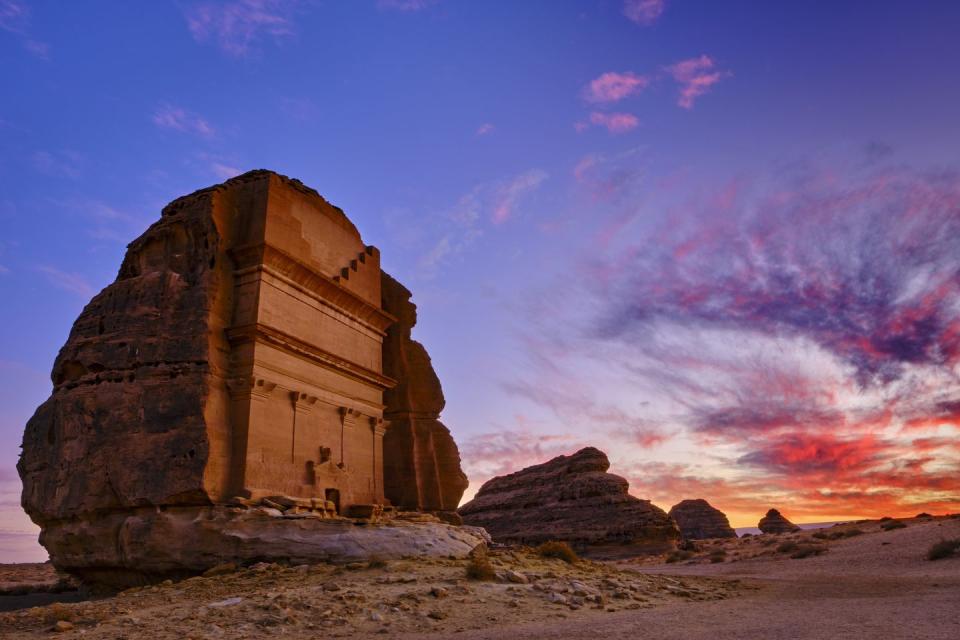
{"points": [[552, 180]]}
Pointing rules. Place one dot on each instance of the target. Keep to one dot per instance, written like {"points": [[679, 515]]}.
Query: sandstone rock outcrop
{"points": [[700, 521], [237, 359], [572, 499], [151, 544], [774, 522], [421, 460]]}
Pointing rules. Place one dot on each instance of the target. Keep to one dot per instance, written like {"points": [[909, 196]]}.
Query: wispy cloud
{"points": [[643, 12], [238, 26], [168, 116], [485, 129], [225, 172], [71, 282], [63, 163], [506, 196], [15, 19], [463, 223], [405, 5], [614, 122], [695, 77], [613, 86]]}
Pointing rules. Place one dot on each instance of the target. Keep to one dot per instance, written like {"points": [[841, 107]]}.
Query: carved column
{"points": [[249, 397], [348, 419], [302, 404], [377, 428]]}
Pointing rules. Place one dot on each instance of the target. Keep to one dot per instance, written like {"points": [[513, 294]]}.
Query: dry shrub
{"points": [[718, 555], [943, 549], [678, 555], [787, 547], [376, 562], [479, 567], [849, 533], [556, 549], [890, 525], [807, 550]]}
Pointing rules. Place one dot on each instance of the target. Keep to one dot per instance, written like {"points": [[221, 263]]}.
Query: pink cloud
{"points": [[613, 86], [643, 12], [506, 197], [168, 116], [695, 77], [615, 122], [485, 129], [236, 26]]}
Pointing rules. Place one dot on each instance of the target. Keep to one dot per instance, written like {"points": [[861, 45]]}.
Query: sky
{"points": [[716, 240]]}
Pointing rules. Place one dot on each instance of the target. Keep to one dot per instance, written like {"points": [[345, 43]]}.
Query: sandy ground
{"points": [[874, 585]]}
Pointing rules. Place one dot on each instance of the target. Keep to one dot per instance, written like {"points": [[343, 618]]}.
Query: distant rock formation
{"points": [[421, 462], [237, 362], [572, 499], [699, 521], [774, 522]]}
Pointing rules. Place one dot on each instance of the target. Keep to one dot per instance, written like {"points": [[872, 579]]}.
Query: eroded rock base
{"points": [[151, 544]]}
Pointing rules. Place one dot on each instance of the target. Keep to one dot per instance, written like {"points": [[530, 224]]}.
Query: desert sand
{"points": [[875, 584]]}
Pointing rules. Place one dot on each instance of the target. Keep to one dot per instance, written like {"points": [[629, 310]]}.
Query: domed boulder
{"points": [[699, 521]]}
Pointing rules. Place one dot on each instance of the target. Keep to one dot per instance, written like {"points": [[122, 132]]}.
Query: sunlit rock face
{"points": [[572, 499], [774, 522], [237, 359], [700, 521]]}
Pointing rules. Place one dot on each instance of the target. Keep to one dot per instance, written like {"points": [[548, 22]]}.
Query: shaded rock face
{"points": [[572, 499], [421, 460], [239, 356], [774, 522], [700, 521]]}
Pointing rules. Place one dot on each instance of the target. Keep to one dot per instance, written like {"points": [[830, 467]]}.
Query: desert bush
{"points": [[556, 549], [849, 533], [886, 519], [787, 547], [678, 555], [892, 524], [718, 555], [822, 535], [923, 514], [807, 550], [376, 562], [943, 549], [747, 535], [479, 568]]}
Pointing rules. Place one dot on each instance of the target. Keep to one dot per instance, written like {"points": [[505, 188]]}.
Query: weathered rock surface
{"points": [[145, 545], [700, 521], [421, 460], [774, 522], [238, 359], [573, 499]]}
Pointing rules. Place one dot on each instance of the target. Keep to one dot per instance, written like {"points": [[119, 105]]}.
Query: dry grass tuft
{"points": [[556, 549], [890, 525]]}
